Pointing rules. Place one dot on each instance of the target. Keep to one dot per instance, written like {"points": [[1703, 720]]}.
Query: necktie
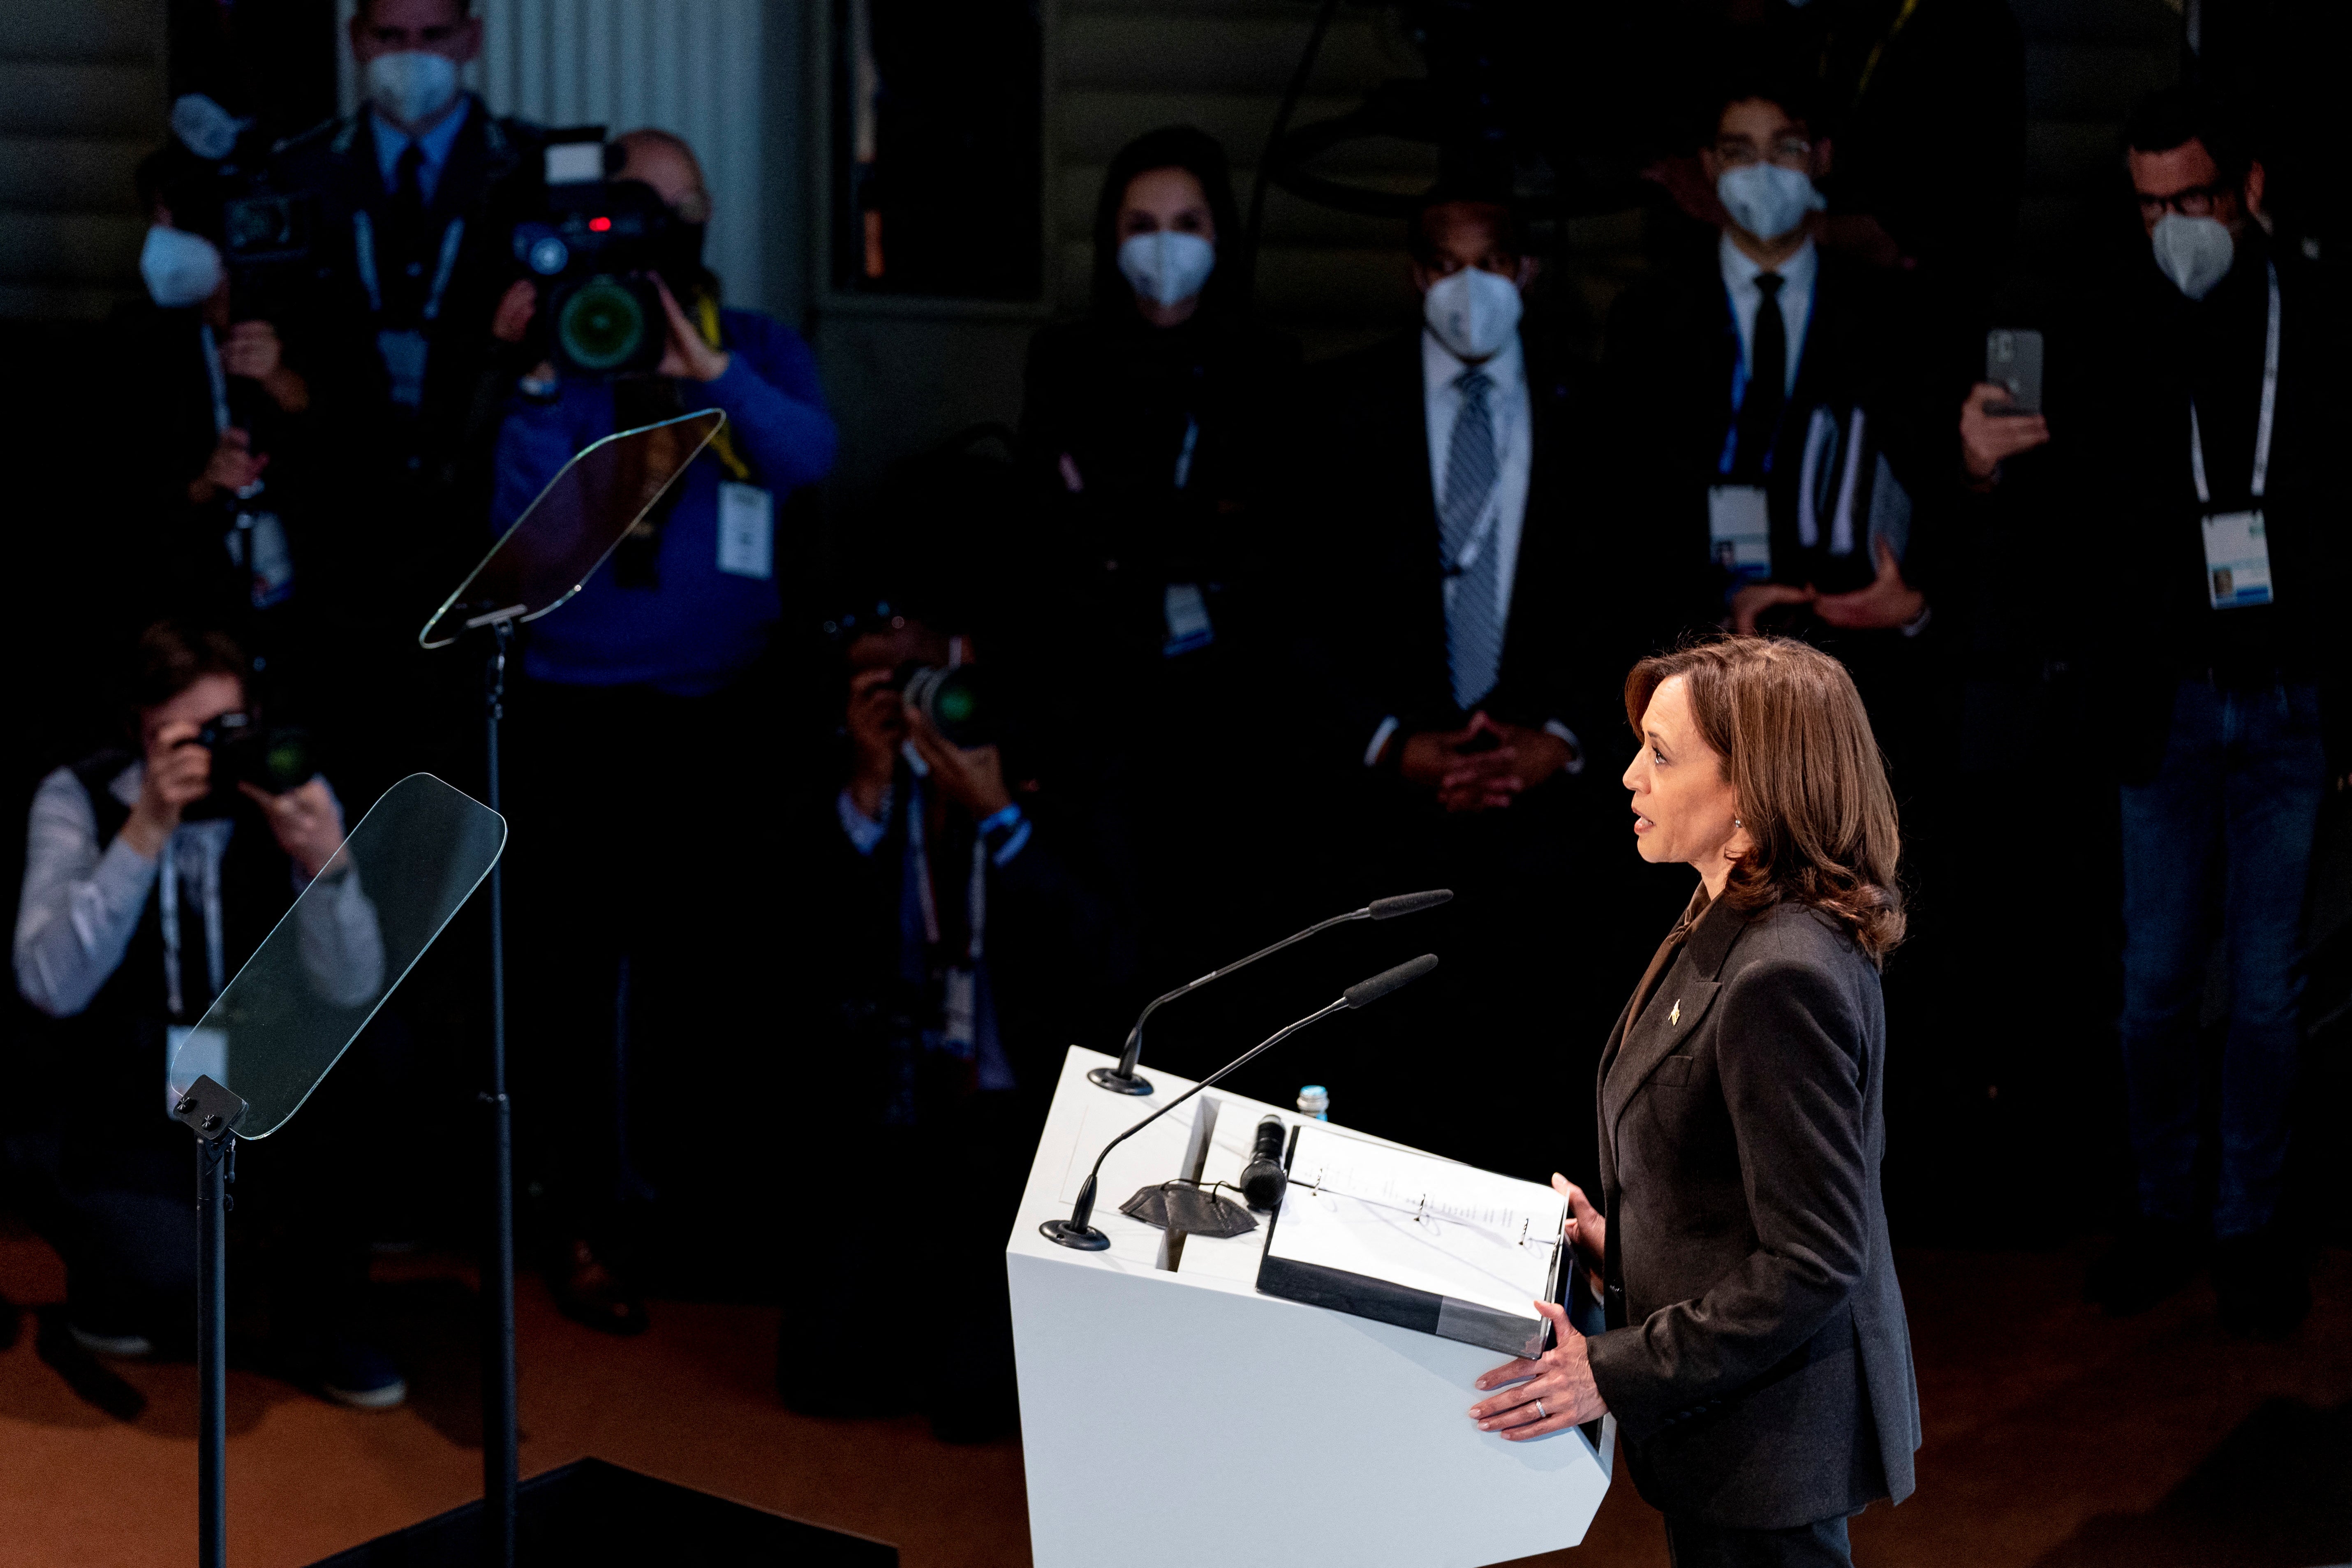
{"points": [[403, 262], [1768, 378], [1474, 620]]}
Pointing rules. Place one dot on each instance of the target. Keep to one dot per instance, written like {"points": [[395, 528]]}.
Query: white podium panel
{"points": [[1172, 1418]]}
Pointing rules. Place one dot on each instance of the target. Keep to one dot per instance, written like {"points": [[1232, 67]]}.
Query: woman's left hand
{"points": [[1559, 1392]]}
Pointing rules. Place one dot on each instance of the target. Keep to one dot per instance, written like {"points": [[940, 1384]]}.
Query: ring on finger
{"points": [[1540, 1411]]}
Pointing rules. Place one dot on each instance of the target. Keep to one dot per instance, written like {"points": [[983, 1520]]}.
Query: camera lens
{"points": [[601, 326], [549, 255]]}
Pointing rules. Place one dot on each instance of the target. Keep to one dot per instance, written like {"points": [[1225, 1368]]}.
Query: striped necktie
{"points": [[1473, 617]]}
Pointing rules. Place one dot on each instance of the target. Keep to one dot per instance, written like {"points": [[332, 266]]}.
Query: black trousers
{"points": [[1694, 1544]]}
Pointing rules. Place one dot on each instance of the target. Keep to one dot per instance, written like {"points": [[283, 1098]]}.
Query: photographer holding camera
{"points": [[221, 404], [660, 656], [970, 922], [149, 881]]}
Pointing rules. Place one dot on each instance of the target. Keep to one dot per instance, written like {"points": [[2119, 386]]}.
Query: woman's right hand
{"points": [[178, 774], [1586, 1229]]}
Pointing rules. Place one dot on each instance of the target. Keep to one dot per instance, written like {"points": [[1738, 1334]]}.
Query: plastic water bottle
{"points": [[1314, 1101]]}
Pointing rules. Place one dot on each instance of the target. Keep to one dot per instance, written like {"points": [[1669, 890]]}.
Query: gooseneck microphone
{"points": [[1078, 1232], [1124, 1079]]}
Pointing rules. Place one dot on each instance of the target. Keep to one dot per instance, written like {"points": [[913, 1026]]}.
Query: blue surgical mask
{"points": [[180, 268], [1166, 266], [410, 87], [1765, 199]]}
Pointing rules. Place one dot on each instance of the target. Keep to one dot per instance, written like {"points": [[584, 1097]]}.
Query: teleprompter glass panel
{"points": [[577, 520], [286, 1017]]}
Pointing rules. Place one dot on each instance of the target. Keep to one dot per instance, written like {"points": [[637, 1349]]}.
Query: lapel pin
{"points": [[1676, 1015]]}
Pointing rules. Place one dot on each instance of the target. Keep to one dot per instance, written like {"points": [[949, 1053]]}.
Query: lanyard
{"points": [[218, 376], [2261, 424], [453, 234], [208, 873]]}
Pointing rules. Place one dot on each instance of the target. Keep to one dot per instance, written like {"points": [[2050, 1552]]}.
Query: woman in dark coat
{"points": [[1150, 435], [1756, 1355]]}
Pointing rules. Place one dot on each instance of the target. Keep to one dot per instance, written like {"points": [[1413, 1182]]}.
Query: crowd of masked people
{"points": [[821, 856]]}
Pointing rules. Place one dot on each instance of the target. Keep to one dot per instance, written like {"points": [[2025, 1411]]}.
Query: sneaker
{"points": [[120, 1347], [360, 1375], [2152, 1259], [2264, 1283]]}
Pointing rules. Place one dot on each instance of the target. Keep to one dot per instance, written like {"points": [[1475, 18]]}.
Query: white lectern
{"points": [[1171, 1416]]}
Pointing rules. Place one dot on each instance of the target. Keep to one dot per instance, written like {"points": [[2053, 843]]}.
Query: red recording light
{"points": [[599, 225]]}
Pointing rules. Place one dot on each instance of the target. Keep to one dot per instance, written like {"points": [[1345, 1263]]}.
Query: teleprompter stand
{"points": [[501, 1440], [212, 1113], [535, 568]]}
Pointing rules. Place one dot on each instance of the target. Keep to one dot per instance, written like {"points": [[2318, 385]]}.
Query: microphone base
{"points": [[1068, 1233], [1118, 1082]]}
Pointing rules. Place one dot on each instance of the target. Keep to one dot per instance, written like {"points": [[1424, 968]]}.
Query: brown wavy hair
{"points": [[1796, 745]]}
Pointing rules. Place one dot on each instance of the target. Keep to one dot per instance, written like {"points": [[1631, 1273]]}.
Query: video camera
{"points": [[594, 254], [949, 697]]}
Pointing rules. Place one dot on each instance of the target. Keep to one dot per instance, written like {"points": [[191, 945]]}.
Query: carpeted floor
{"points": [[2055, 1438]]}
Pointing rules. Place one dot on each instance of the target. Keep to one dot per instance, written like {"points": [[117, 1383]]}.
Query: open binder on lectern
{"points": [[1403, 1237]]}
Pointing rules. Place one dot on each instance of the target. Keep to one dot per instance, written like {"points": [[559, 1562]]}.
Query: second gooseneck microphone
{"points": [[1077, 1231], [1124, 1079]]}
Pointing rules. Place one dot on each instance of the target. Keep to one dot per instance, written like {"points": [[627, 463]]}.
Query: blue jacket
{"points": [[701, 626]]}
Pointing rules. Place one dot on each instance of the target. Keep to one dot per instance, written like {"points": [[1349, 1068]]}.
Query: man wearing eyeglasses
{"points": [[1758, 398], [2192, 445]]}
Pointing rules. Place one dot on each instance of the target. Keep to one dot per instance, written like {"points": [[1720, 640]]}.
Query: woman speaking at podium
{"points": [[1755, 1356]]}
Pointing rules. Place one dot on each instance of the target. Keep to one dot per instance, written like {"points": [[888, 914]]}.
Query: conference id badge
{"points": [[1739, 532], [747, 531], [960, 1034], [2237, 560], [1186, 612], [195, 1053]]}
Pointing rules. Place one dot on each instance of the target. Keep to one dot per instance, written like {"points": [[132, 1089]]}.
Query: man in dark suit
{"points": [[412, 310], [2192, 464], [1444, 669], [1761, 419]]}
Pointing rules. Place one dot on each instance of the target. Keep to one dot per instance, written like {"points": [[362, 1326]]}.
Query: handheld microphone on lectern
{"points": [[1124, 1079], [1075, 1231], [1263, 1179]]}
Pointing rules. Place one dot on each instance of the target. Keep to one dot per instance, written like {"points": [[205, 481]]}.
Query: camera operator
{"points": [[2190, 453], [970, 920], [218, 403], [147, 883], [661, 655]]}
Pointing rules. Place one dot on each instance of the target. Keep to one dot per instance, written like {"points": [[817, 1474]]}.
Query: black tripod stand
{"points": [[212, 1112]]}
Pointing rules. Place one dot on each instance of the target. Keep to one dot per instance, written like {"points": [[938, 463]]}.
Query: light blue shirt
{"points": [[1739, 273], [390, 142]]}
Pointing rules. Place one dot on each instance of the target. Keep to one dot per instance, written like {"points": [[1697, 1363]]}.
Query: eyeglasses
{"points": [[1788, 152], [2198, 201]]}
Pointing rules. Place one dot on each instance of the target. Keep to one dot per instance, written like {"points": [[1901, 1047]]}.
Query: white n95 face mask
{"points": [[411, 86], [1166, 266], [180, 268], [1472, 312], [1765, 199], [2196, 253]]}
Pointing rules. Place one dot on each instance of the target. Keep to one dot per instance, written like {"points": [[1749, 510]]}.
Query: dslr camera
{"points": [[595, 253], [245, 750]]}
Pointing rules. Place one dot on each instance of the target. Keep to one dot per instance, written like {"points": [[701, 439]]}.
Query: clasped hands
{"points": [[1555, 1391], [1886, 603], [1482, 766]]}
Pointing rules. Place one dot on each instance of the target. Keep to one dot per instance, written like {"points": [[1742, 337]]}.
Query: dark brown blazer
{"points": [[1756, 1357]]}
